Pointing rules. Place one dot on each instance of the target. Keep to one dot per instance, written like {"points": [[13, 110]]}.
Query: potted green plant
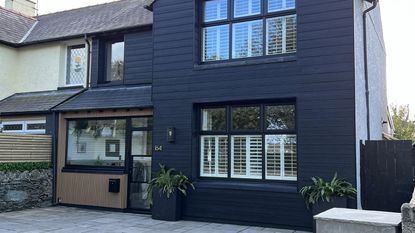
{"points": [[165, 193], [322, 195]]}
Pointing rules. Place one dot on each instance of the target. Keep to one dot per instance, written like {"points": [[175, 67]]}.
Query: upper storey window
{"points": [[76, 65], [115, 61], [235, 29]]}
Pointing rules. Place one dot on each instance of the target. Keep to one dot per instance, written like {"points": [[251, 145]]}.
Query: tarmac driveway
{"points": [[75, 220]]}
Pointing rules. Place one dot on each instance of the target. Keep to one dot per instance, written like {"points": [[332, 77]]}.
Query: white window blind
{"points": [[247, 39], [281, 157], [215, 10], [246, 7], [246, 155], [216, 43], [279, 5], [214, 151], [281, 35]]}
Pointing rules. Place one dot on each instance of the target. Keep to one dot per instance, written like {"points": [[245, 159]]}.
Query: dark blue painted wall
{"points": [[138, 58], [321, 79]]}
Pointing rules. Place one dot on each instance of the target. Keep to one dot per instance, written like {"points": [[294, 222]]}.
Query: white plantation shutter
{"points": [[214, 153], [215, 10], [281, 35], [216, 43], [281, 157], [247, 39], [279, 5], [246, 156]]}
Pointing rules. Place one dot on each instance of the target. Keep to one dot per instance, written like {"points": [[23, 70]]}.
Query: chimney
{"points": [[24, 7]]}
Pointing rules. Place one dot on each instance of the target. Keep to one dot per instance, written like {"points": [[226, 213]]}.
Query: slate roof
{"points": [[77, 22], [14, 26], [109, 98], [31, 102]]}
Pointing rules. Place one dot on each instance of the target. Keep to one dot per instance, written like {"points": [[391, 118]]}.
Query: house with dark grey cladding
{"points": [[249, 98]]}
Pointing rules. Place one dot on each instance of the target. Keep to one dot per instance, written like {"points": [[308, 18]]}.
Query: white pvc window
{"points": [[281, 35], [215, 10], [24, 127], [280, 5], [214, 156], [247, 39], [76, 65], [246, 8], [216, 43]]}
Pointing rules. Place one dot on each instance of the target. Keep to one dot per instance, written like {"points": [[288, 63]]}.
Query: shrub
{"points": [[25, 166], [168, 181], [321, 190]]}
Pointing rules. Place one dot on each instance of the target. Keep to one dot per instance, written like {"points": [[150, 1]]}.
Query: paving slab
{"points": [[77, 220]]}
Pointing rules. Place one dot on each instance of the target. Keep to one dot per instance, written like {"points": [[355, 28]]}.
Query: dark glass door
{"points": [[140, 162]]}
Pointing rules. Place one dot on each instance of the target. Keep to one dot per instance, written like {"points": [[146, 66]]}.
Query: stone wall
{"points": [[408, 216], [26, 189]]}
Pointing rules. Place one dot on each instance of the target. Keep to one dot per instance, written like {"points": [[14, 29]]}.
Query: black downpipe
{"points": [[365, 13], [88, 76]]}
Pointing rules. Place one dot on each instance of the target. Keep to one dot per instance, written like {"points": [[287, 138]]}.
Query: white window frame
{"points": [[216, 173], [68, 48], [24, 127]]}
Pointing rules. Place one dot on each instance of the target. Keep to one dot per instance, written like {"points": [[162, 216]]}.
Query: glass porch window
{"points": [[99, 143]]}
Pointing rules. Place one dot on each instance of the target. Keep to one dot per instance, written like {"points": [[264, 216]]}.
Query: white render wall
{"points": [[33, 68], [8, 63], [377, 79]]}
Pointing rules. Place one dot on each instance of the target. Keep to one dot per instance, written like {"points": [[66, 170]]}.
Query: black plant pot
{"points": [[337, 202], [167, 209]]}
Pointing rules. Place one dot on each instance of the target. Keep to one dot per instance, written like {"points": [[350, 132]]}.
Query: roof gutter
{"points": [[365, 48]]}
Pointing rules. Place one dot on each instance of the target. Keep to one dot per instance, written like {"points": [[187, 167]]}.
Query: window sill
{"points": [[280, 187], [251, 61], [94, 170]]}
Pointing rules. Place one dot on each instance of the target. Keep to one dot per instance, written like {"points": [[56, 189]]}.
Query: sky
{"points": [[399, 31]]}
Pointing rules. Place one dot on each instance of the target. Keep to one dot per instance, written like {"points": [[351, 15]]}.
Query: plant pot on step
{"points": [[167, 208]]}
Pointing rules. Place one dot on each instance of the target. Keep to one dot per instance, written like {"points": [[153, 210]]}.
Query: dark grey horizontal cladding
{"points": [[138, 68], [320, 79], [109, 98], [35, 102], [138, 59]]}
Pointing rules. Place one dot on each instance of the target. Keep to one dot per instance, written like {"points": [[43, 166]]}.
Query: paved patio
{"points": [[75, 220]]}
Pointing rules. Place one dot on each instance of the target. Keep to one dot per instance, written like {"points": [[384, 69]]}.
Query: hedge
{"points": [[25, 166]]}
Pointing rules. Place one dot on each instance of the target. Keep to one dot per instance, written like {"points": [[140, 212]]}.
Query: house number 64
{"points": [[158, 148]]}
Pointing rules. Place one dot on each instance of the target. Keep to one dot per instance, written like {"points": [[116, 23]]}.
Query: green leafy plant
{"points": [[25, 166], [321, 190], [167, 182]]}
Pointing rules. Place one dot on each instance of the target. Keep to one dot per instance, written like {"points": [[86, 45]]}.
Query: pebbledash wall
{"points": [[25, 189]]}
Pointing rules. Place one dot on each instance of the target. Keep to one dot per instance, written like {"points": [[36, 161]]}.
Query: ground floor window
{"points": [[249, 141], [98, 143], [24, 127]]}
